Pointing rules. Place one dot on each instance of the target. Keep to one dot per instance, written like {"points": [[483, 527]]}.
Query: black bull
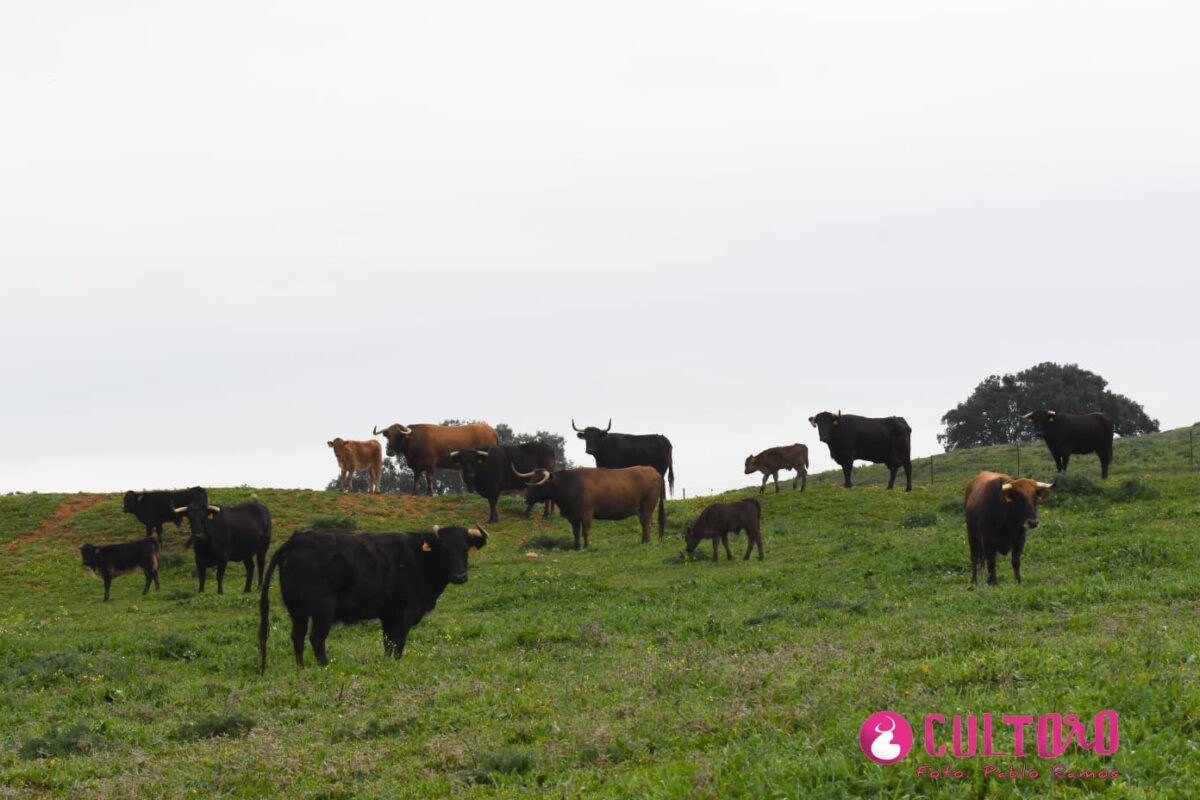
{"points": [[490, 471], [883, 440], [1068, 434], [619, 450], [153, 509]]}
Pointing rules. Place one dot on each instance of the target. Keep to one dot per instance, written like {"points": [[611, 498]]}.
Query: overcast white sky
{"points": [[232, 231]]}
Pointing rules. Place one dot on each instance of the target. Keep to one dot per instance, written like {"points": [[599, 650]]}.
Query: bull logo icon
{"points": [[885, 737]]}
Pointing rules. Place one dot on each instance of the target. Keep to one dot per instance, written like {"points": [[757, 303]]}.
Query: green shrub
{"points": [[333, 522], [545, 541], [509, 760], [1076, 485], [174, 646], [49, 668], [58, 742], [208, 726], [1131, 490], [920, 519]]}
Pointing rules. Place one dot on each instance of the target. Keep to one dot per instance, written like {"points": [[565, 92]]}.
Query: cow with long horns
{"points": [[428, 447], [490, 471], [619, 450], [154, 509], [354, 455], [585, 494], [235, 533], [1070, 434], [999, 510], [883, 440]]}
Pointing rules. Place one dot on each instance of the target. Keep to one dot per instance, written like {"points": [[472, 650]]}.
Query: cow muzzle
{"points": [[460, 578], [1031, 523]]}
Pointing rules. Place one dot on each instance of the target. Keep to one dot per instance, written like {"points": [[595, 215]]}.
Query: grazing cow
{"points": [[719, 520], [355, 455], [587, 493], [884, 440], [1068, 434], [235, 533], [110, 560], [773, 459], [154, 508], [395, 578], [618, 450], [489, 471], [428, 447], [998, 511]]}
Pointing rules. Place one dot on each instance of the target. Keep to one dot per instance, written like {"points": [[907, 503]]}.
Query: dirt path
{"points": [[63, 513]]}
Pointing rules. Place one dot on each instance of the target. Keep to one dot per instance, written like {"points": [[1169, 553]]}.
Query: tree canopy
{"points": [[992, 414]]}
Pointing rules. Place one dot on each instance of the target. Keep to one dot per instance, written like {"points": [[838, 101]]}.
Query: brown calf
{"points": [[110, 560], [719, 520], [773, 459], [355, 455]]}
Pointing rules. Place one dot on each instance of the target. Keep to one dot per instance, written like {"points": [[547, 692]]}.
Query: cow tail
{"points": [[264, 608], [662, 511], [806, 458], [671, 472]]}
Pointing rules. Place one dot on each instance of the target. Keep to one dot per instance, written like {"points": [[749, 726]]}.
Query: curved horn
{"points": [[484, 453], [374, 431], [479, 529], [543, 480], [214, 509], [812, 421], [1028, 416], [437, 528], [1006, 487], [1052, 415], [181, 510], [454, 453], [521, 474], [404, 431], [609, 428], [1041, 485], [573, 426]]}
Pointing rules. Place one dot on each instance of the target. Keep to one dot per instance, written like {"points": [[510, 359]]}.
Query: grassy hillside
{"points": [[627, 670]]}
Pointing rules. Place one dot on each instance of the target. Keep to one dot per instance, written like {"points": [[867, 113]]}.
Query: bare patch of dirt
{"points": [[63, 513]]}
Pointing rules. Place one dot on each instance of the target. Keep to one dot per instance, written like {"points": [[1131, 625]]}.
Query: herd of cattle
{"points": [[397, 578]]}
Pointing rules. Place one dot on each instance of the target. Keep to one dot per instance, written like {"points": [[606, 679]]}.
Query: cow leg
{"points": [[221, 576], [1016, 561], [203, 573], [907, 475], [547, 509], [803, 481], [586, 524], [155, 574], [261, 557], [576, 526], [494, 517], [395, 635], [846, 473], [322, 623], [107, 584], [762, 489], [991, 567], [715, 550], [776, 481], [725, 541], [249, 562], [299, 628], [892, 470], [146, 588], [795, 480], [1066, 461], [758, 543], [749, 545], [644, 518]]}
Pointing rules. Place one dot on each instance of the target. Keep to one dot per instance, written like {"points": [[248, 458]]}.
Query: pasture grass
{"points": [[627, 670]]}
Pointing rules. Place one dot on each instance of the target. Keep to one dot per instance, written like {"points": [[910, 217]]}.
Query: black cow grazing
{"points": [[489, 471], [770, 461], [618, 450], [719, 520], [236, 533], [395, 578], [884, 440], [585, 493], [999, 510], [110, 560], [1068, 434], [155, 508]]}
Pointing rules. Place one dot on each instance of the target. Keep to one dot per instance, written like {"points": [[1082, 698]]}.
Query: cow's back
{"points": [[351, 570]]}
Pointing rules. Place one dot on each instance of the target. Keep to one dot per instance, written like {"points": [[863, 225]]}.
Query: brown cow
{"points": [[998, 511], [718, 520], [588, 493], [354, 455], [428, 447], [773, 459]]}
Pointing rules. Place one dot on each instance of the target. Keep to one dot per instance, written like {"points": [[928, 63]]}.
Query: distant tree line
{"points": [[992, 414], [398, 477]]}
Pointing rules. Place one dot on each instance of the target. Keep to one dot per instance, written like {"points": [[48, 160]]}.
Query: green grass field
{"points": [[626, 670]]}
